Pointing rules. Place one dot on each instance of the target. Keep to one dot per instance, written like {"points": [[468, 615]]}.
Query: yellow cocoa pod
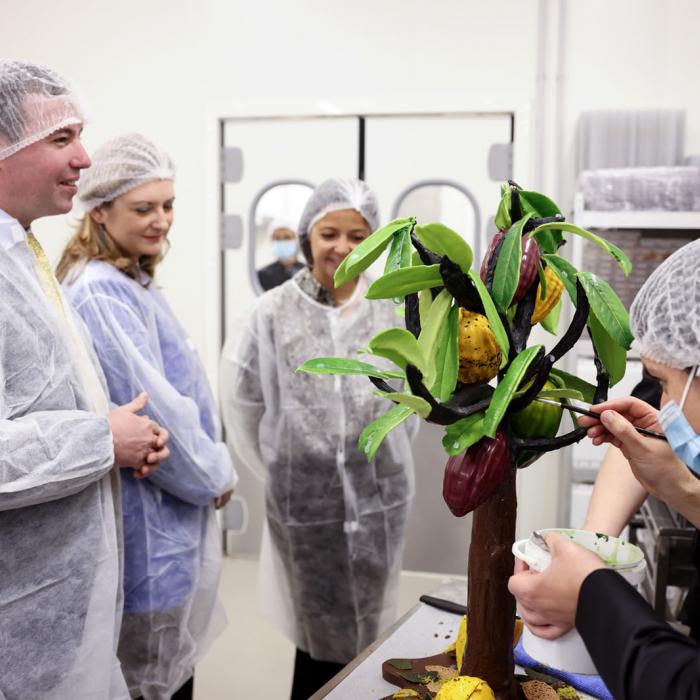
{"points": [[479, 354], [554, 290], [465, 688]]}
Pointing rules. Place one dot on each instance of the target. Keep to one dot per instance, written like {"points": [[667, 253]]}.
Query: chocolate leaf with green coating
{"points": [[373, 434], [419, 405], [398, 345], [492, 315], [551, 321], [507, 273], [507, 387], [431, 332], [571, 381], [612, 355], [342, 365], [503, 220], [359, 259], [425, 301], [400, 251], [444, 241], [447, 357], [622, 260], [558, 394], [566, 272], [405, 281], [607, 308], [539, 206], [463, 434]]}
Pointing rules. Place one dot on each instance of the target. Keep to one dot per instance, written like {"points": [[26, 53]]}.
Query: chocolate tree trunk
{"points": [[489, 652]]}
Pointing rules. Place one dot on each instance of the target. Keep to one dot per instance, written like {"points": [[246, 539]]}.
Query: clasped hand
{"points": [[139, 442]]}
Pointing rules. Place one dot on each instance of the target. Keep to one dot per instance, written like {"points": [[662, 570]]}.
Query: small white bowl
{"points": [[569, 653]]}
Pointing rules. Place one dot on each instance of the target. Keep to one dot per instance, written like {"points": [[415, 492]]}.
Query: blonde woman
{"points": [[172, 551]]}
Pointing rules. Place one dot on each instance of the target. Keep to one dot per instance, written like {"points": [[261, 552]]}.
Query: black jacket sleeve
{"points": [[648, 390], [638, 655]]}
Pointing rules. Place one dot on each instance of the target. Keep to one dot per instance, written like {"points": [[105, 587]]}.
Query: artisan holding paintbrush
{"points": [[638, 655]]}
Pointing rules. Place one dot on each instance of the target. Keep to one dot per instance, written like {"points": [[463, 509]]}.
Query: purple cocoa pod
{"points": [[470, 478], [528, 263]]}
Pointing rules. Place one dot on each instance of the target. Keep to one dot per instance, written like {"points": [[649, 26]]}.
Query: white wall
{"points": [[162, 67]]}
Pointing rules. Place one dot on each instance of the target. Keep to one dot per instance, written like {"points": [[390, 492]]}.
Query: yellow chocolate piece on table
{"points": [[461, 640], [465, 688]]}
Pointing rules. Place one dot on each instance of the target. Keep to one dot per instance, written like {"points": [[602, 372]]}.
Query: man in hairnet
{"points": [[285, 250], [60, 538], [332, 547]]}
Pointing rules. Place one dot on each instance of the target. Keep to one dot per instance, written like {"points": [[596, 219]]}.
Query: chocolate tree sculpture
{"points": [[463, 330]]}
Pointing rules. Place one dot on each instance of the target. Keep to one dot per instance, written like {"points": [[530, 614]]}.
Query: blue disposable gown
{"points": [[60, 522], [335, 521], [172, 544]]}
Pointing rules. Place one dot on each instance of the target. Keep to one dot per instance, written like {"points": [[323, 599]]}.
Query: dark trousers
{"points": [[310, 675], [184, 693]]}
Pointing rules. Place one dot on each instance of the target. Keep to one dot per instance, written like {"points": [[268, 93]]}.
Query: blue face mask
{"points": [[684, 441], [283, 250]]}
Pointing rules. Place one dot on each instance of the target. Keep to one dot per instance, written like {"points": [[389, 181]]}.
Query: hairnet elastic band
{"points": [[15, 147], [336, 206], [688, 384]]}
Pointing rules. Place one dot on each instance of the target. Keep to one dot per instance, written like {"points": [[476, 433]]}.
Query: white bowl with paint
{"points": [[569, 653]]}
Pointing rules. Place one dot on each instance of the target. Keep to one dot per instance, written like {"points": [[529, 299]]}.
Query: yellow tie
{"points": [[46, 277]]}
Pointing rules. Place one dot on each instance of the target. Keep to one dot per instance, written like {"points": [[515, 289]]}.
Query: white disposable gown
{"points": [[335, 522], [60, 539], [172, 544]]}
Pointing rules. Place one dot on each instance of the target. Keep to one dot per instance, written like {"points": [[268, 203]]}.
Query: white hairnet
{"points": [[277, 224], [335, 194], [34, 102], [121, 165], [665, 314]]}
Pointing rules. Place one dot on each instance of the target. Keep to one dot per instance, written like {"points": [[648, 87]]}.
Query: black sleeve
{"points": [[272, 275], [648, 390], [638, 655]]}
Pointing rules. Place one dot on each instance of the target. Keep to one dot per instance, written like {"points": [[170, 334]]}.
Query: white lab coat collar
{"points": [[11, 231]]}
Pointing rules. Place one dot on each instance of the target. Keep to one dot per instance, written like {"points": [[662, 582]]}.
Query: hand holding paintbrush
{"points": [[639, 416]]}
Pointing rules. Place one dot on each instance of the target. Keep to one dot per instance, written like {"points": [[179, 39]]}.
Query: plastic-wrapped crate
{"points": [[626, 189], [647, 250]]}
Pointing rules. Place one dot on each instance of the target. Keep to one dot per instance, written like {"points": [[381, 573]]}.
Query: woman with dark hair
{"points": [[334, 534]]}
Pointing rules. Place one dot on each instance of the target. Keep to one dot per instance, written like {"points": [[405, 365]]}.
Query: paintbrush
{"points": [[593, 414]]}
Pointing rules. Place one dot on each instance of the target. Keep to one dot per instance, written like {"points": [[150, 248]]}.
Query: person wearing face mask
{"points": [[637, 654], [172, 547], [285, 250], [335, 524]]}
